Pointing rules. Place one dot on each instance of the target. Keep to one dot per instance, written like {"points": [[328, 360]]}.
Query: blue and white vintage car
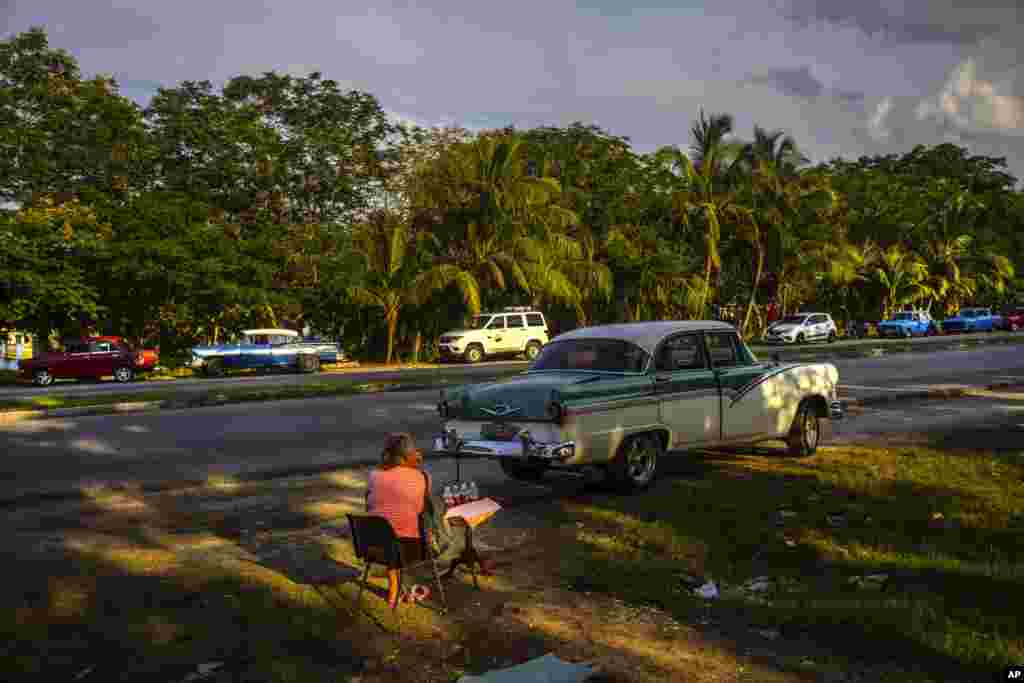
{"points": [[908, 324], [265, 348]]}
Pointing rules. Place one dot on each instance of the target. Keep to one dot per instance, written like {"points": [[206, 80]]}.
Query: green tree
{"points": [[61, 135], [903, 277], [396, 276], [45, 256]]}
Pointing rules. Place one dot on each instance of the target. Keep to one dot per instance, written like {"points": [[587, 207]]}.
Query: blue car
{"points": [[972, 320], [907, 324], [265, 348]]}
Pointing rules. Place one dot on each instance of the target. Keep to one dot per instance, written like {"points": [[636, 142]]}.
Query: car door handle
{"points": [[661, 379]]}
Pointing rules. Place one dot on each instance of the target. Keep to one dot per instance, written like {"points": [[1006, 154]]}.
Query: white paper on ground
{"points": [[708, 591], [477, 508], [546, 669]]}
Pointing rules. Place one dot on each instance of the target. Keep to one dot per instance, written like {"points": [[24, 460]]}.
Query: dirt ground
{"points": [[524, 610]]}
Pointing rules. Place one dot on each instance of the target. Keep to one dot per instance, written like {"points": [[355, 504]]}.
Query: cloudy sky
{"points": [[845, 77]]}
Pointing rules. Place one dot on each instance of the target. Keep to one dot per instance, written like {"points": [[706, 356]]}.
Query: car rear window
{"points": [[534, 320], [601, 355]]}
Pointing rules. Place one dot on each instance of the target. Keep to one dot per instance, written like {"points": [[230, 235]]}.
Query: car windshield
{"points": [[904, 316], [792, 320], [479, 322], [968, 313], [599, 355]]}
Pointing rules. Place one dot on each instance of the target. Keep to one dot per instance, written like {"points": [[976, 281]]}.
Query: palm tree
{"points": [[488, 208], [946, 278], [396, 276], [656, 277], [711, 150], [592, 277], [776, 149], [903, 277], [544, 265], [847, 266]]}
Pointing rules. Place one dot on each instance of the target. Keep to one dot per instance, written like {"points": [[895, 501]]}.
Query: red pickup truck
{"points": [[91, 357]]}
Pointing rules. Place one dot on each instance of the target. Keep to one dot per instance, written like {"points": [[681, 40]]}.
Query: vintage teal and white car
{"points": [[619, 397]]}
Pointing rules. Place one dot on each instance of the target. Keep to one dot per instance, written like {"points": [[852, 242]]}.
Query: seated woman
{"points": [[397, 491]]}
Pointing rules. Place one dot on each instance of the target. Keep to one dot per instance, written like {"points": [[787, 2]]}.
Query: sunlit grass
{"points": [[946, 525]]}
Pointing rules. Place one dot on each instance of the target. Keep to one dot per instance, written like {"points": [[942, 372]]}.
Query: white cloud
{"points": [[876, 124]]}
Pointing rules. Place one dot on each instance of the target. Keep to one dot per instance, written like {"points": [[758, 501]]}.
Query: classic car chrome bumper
{"points": [[523, 447], [835, 410]]}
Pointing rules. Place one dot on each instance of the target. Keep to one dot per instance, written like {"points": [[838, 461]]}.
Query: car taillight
{"points": [[140, 358]]}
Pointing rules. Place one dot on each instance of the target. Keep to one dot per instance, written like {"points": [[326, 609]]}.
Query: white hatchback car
{"points": [[801, 328]]}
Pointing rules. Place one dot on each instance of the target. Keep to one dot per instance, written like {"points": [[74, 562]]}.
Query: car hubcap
{"points": [[531, 352], [641, 462], [122, 375], [43, 378]]}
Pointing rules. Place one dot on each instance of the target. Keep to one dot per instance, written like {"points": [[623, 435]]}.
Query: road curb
{"points": [[938, 392], [213, 398], [917, 395]]}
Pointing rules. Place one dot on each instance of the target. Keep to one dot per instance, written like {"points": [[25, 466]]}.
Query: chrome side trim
{"points": [[751, 385], [615, 404]]}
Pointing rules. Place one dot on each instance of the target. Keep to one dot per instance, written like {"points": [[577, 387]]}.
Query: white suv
{"points": [[514, 331], [802, 327]]}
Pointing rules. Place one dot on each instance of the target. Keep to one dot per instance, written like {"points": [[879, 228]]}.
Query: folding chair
{"points": [[375, 542]]}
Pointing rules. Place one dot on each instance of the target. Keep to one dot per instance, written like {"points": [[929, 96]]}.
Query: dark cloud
{"points": [[797, 82], [912, 21]]}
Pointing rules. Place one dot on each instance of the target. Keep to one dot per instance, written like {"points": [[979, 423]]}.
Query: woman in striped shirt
{"points": [[396, 491]]}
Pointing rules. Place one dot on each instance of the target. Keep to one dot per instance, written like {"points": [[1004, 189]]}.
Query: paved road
{"points": [[201, 385], [456, 372], [235, 439]]}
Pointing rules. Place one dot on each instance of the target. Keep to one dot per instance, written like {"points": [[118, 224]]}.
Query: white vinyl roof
{"points": [[646, 335], [284, 333]]}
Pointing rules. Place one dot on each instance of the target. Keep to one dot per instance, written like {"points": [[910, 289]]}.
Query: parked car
{"points": [[908, 324], [972, 320], [618, 397], [265, 348], [1013, 318], [512, 332], [89, 358], [801, 328]]}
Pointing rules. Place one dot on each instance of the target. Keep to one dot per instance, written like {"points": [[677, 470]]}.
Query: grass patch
{"points": [[944, 529]]}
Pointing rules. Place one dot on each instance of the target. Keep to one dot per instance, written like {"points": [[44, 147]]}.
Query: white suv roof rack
{"points": [[517, 309]]}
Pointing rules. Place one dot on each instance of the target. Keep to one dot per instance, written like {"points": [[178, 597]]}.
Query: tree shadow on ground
{"points": [[719, 513]]}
